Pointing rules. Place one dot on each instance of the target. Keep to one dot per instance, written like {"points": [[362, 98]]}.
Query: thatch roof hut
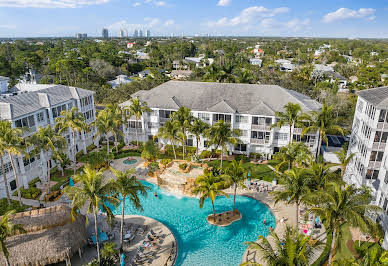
{"points": [[50, 237]]}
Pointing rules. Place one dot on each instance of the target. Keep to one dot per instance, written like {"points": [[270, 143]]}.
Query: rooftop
{"points": [[377, 96], [224, 97]]}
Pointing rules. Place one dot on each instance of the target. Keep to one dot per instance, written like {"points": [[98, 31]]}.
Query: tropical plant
{"points": [[235, 174], [104, 126], [198, 129], [182, 119], [150, 151], [48, 140], [291, 249], [7, 229], [221, 134], [294, 154], [109, 254], [319, 174], [169, 132], [209, 186], [129, 186], [4, 127], [93, 194], [344, 159], [116, 115], [322, 121], [338, 206], [290, 117], [295, 187], [75, 122], [137, 109]]}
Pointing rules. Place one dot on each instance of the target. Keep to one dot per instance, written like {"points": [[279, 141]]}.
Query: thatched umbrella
{"points": [[50, 237]]}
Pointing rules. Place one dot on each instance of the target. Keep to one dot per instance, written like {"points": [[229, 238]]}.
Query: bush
{"points": [[4, 207], [183, 166], [205, 154], [255, 155], [90, 148], [164, 162], [242, 157], [153, 167], [120, 146], [150, 151], [33, 182], [123, 154], [53, 195], [29, 193], [97, 159]]}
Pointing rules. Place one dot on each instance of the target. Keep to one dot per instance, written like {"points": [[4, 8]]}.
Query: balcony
{"points": [[298, 130], [374, 165], [378, 146], [261, 127], [382, 125], [259, 141]]}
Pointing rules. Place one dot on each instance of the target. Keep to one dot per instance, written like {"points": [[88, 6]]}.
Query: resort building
{"points": [[34, 108], [368, 143], [248, 107]]}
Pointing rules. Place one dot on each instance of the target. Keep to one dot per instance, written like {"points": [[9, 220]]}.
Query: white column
{"points": [[22, 175]]}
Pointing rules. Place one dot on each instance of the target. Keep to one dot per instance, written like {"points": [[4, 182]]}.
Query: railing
{"points": [[259, 141], [373, 164], [261, 127], [378, 146]]}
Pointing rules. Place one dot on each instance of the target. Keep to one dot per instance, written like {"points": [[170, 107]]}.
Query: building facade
{"points": [[368, 140], [105, 33], [247, 107], [39, 108]]}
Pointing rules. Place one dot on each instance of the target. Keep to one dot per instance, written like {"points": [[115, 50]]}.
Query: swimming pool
{"points": [[129, 161], [200, 243]]}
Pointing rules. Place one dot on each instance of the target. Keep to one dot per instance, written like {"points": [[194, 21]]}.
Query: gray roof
{"points": [[377, 97], [30, 102], [224, 97], [3, 78]]}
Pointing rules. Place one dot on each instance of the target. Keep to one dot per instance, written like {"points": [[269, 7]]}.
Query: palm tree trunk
{"points": [[137, 135], [5, 179], [319, 145], [117, 149], [222, 153], [297, 215], [48, 174], [173, 149], [7, 263], [96, 232], [107, 144], [291, 135], [214, 212], [332, 246], [196, 151], [122, 223], [234, 196], [16, 178], [75, 154]]}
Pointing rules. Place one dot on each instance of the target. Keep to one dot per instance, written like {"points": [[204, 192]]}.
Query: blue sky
{"points": [[313, 18]]}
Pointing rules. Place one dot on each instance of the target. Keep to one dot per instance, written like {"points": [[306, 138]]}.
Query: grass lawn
{"points": [[4, 207], [342, 251]]}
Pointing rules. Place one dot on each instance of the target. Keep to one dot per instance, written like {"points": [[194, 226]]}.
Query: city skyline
{"points": [[62, 18]]}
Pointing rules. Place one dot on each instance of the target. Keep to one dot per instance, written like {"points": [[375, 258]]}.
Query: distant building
{"points": [[285, 65], [180, 74], [81, 35], [122, 33], [256, 61], [199, 61], [148, 33], [140, 33], [130, 45], [136, 34], [105, 33], [120, 79]]}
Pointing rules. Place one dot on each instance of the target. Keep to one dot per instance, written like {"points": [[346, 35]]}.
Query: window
{"points": [[205, 143], [152, 125], [376, 156], [86, 101], [386, 177], [241, 119], [360, 106], [381, 137], [281, 136], [12, 184], [155, 113], [260, 135], [244, 133], [134, 124], [372, 174], [89, 114], [240, 147], [382, 115], [189, 142], [40, 117], [165, 113], [226, 118], [261, 121], [204, 117], [7, 168], [28, 121], [57, 110]]}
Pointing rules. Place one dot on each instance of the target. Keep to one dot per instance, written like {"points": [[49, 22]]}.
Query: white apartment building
{"points": [[248, 107], [38, 108], [368, 141]]}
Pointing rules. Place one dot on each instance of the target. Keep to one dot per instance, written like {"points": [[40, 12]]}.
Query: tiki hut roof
{"points": [[50, 236]]}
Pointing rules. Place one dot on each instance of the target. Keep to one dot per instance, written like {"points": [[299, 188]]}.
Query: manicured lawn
{"points": [[342, 250], [4, 207]]}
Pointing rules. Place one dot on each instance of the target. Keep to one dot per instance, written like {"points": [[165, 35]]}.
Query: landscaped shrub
{"points": [[123, 154], [153, 167], [150, 151], [255, 155], [242, 157], [33, 182], [29, 193], [205, 154], [120, 146], [5, 207], [183, 166], [97, 159], [53, 195], [90, 148], [164, 162]]}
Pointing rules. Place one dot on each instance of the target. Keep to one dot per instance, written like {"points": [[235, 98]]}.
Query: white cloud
{"points": [[248, 16], [51, 3], [298, 24], [154, 24], [346, 13], [136, 4], [169, 22], [224, 2], [151, 22], [160, 3]]}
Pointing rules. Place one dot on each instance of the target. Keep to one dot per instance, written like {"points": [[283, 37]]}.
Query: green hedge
{"points": [[30, 193], [124, 154]]}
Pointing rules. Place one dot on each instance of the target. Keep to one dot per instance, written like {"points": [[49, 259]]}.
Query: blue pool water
{"points": [[200, 243], [132, 161]]}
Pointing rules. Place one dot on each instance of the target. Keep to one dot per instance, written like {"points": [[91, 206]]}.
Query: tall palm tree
{"points": [[14, 145], [48, 140], [104, 126], [209, 186], [226, 74], [338, 206], [295, 188], [116, 115], [235, 174], [290, 117], [129, 186], [183, 120], [320, 174], [137, 109], [344, 159], [323, 121], [294, 154], [4, 127], [93, 194], [169, 132], [7, 229], [291, 249], [198, 129], [221, 134], [212, 73], [75, 122]]}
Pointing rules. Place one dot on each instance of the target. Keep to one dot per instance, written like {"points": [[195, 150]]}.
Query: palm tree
{"points": [[226, 74], [47, 139], [128, 185], [198, 129], [75, 122], [245, 77], [320, 174], [295, 187], [221, 134], [338, 206], [137, 109], [93, 194], [104, 125], [169, 131], [14, 145], [322, 121], [344, 159], [212, 73], [8, 229], [293, 154], [182, 119], [116, 115], [209, 186], [4, 127], [235, 174], [290, 117], [290, 249]]}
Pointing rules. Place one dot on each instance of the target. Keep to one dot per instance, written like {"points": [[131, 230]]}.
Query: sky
{"points": [[300, 18]]}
